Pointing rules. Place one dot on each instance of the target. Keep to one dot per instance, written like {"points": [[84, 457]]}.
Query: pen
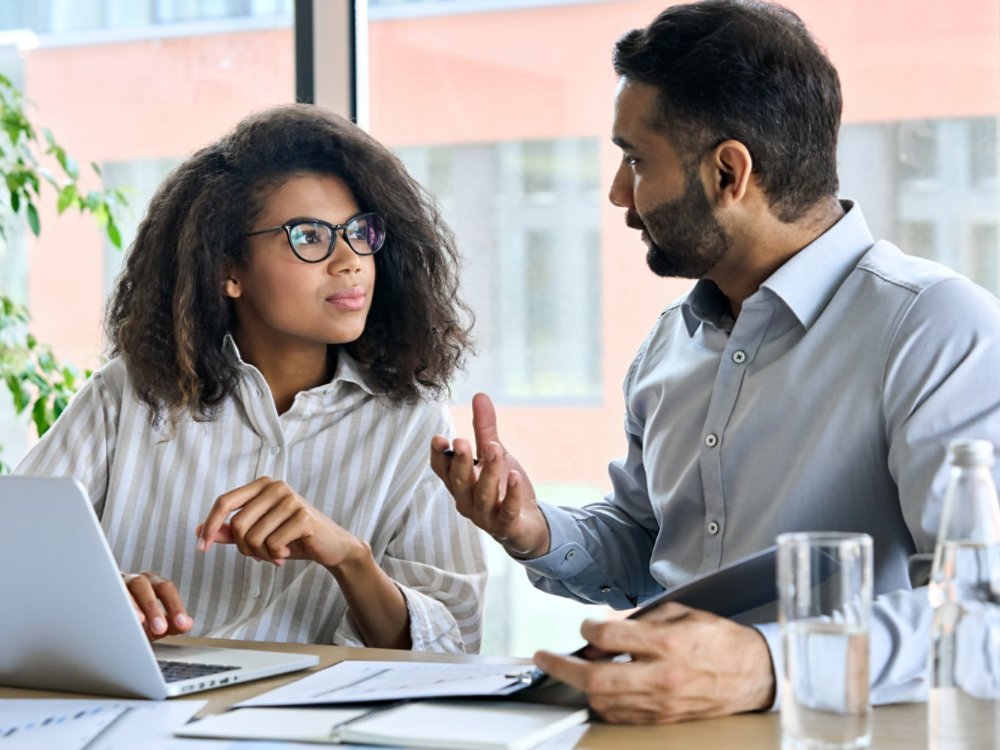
{"points": [[449, 453]]}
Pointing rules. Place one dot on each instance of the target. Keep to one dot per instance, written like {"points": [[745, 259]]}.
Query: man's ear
{"points": [[730, 167]]}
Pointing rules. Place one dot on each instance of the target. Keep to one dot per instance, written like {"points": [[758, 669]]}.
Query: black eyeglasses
{"points": [[312, 240]]}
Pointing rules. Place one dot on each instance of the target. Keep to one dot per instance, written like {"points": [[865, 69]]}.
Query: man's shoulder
{"points": [[891, 265], [927, 293]]}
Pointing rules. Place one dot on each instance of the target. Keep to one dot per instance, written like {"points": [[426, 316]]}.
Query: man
{"points": [[812, 378]]}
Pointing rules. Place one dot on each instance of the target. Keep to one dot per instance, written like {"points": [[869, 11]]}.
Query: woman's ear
{"points": [[231, 286], [731, 166]]}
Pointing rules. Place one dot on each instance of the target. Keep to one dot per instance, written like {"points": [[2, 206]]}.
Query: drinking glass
{"points": [[824, 607]]}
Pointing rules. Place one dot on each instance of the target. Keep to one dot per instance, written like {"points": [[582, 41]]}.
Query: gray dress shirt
{"points": [[827, 404]]}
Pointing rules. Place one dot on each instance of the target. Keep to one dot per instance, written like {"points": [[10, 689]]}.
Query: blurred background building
{"points": [[502, 110]]}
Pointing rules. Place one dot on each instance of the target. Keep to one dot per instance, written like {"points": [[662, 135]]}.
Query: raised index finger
{"points": [[226, 504], [484, 422]]}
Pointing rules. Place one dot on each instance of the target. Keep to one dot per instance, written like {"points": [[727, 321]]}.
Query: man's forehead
{"points": [[634, 113]]}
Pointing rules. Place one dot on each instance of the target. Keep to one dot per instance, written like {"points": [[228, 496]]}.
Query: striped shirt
{"points": [[356, 457]]}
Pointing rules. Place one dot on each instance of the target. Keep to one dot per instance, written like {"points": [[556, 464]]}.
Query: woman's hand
{"points": [[269, 521], [158, 605]]}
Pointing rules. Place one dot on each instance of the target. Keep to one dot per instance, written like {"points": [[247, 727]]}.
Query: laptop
{"points": [[66, 619]]}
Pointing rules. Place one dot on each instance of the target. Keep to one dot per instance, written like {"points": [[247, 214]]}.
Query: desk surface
{"points": [[902, 727]]}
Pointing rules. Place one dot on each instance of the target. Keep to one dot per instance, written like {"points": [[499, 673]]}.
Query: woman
{"points": [[257, 443]]}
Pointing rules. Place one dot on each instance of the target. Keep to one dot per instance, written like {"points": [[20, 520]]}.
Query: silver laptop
{"points": [[67, 620]]}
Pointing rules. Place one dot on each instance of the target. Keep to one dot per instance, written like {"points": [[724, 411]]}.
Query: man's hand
{"points": [[272, 523], [158, 605], [686, 664], [497, 497]]}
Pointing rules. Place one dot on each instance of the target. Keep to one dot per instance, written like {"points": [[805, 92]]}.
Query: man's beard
{"points": [[685, 239]]}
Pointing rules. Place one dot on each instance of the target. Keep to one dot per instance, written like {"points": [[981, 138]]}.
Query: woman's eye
{"points": [[307, 236]]}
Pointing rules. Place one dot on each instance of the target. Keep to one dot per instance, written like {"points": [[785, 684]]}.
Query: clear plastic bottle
{"points": [[964, 704]]}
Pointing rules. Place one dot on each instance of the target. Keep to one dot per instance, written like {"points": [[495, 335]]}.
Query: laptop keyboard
{"points": [[175, 671]]}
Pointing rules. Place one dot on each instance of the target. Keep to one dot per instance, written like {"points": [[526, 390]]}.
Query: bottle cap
{"points": [[969, 452]]}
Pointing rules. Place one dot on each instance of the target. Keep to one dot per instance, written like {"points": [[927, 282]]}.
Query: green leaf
{"points": [[67, 196], [59, 404], [114, 234], [33, 221], [41, 417], [20, 396]]}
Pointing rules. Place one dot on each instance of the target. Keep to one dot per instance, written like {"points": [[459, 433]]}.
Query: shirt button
{"points": [[570, 555], [255, 593], [713, 528], [275, 450], [739, 356], [711, 440], [605, 589]]}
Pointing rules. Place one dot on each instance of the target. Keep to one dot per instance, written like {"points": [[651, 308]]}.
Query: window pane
{"points": [[122, 85], [503, 111]]}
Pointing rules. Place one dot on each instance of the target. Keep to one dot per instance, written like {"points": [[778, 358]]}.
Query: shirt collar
{"points": [[805, 282], [347, 371], [808, 280]]}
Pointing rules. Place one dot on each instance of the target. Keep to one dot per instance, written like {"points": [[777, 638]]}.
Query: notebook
{"points": [[464, 725], [68, 621]]}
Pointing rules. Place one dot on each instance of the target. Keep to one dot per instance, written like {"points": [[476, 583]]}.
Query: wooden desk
{"points": [[902, 727]]}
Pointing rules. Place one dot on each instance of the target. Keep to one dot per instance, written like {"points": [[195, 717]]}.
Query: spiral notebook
{"points": [[463, 725]]}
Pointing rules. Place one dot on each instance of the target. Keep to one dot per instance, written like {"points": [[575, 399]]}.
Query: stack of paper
{"points": [[462, 725]]}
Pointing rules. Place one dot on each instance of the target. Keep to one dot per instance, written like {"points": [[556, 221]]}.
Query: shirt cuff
{"points": [[567, 556], [771, 631], [432, 628]]}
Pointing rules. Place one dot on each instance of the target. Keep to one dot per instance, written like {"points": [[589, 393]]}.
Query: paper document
{"points": [[370, 681], [465, 725], [91, 724]]}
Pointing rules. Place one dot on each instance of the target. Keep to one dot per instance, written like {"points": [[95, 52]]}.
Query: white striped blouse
{"points": [[355, 456]]}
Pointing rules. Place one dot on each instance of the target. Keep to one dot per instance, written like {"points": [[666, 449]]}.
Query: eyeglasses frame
{"points": [[335, 229]]}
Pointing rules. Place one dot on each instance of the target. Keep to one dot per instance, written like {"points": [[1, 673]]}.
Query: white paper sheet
{"points": [[27, 724], [368, 681]]}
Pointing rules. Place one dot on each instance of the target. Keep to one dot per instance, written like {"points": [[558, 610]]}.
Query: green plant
{"points": [[38, 383]]}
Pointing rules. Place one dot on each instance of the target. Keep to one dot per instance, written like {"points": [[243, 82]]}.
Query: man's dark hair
{"points": [[748, 71], [168, 315]]}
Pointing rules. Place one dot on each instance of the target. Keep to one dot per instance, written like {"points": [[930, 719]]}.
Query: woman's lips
{"points": [[348, 299]]}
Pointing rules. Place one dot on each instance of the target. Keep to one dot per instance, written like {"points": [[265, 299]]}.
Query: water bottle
{"points": [[964, 591]]}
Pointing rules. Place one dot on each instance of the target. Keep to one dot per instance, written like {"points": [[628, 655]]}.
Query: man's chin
{"points": [[660, 265], [671, 267]]}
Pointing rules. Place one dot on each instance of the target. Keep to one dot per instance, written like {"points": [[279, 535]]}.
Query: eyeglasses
{"points": [[312, 240]]}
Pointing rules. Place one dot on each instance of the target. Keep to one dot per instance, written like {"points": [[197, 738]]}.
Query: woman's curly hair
{"points": [[168, 316]]}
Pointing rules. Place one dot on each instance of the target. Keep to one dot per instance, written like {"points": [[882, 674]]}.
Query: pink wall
{"points": [[534, 73]]}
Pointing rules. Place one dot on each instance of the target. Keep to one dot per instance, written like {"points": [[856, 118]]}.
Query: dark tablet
{"points": [[736, 587]]}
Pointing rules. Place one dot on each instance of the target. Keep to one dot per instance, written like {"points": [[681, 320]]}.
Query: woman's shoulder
{"points": [[111, 377]]}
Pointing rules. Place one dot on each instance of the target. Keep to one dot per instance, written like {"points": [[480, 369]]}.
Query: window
{"points": [[502, 109], [526, 217], [494, 105]]}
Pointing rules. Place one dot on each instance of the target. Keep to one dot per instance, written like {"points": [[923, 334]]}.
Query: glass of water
{"points": [[825, 597]]}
